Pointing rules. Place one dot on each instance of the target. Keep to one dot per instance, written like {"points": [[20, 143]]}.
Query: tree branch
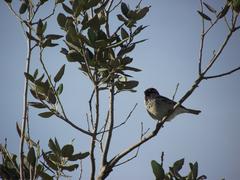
{"points": [[111, 124], [94, 136], [25, 103], [223, 74]]}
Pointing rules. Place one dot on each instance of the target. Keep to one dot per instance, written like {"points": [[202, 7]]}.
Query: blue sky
{"points": [[167, 58]]}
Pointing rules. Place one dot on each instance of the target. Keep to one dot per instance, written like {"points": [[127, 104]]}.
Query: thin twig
{"points": [[104, 131], [175, 92], [81, 170], [223, 74], [122, 123], [201, 42], [162, 158], [47, 17], [90, 107]]}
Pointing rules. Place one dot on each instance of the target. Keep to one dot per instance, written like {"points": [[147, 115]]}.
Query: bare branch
{"points": [[90, 107], [95, 129], [129, 159], [223, 74], [201, 42], [162, 158], [111, 124], [175, 92], [25, 101], [215, 57], [81, 170], [47, 17]]}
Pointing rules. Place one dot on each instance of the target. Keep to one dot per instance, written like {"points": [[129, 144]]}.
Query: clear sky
{"points": [[167, 58]]}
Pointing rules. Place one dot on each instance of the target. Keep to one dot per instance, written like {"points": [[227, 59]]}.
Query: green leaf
{"points": [[31, 157], [52, 146], [138, 30], [157, 170], [51, 97], [194, 170], [70, 167], [29, 77], [78, 156], [23, 8], [58, 149], [222, 13], [40, 28], [67, 9], [37, 105], [121, 18], [124, 9], [59, 74], [132, 69], [210, 8], [46, 114], [125, 50], [177, 166], [60, 89], [236, 5], [124, 33], [142, 12], [204, 16], [61, 19], [49, 162], [94, 23], [35, 74], [53, 36], [74, 56], [127, 85], [48, 43], [67, 150]]}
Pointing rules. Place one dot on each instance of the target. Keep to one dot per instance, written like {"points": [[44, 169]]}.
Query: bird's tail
{"points": [[193, 111]]}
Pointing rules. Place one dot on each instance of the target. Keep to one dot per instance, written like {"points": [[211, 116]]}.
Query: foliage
{"points": [[174, 171], [54, 162]]}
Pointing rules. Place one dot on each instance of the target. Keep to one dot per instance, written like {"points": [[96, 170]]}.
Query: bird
{"points": [[158, 106]]}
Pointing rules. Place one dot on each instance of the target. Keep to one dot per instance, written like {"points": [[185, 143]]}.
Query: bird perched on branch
{"points": [[158, 106]]}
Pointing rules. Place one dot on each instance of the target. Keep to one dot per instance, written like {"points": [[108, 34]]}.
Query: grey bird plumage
{"points": [[158, 106]]}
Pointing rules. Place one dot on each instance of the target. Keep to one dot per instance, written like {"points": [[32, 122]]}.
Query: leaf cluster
{"points": [[53, 164], [45, 92], [174, 171], [103, 56]]}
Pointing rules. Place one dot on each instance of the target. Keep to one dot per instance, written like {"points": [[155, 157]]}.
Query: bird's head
{"points": [[151, 93]]}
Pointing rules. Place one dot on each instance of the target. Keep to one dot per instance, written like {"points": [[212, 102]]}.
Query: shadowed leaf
{"points": [[46, 114]]}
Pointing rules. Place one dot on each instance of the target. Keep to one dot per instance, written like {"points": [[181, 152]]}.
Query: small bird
{"points": [[158, 106]]}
